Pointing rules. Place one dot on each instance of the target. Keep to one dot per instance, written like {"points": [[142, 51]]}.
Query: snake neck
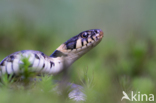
{"points": [[66, 57]]}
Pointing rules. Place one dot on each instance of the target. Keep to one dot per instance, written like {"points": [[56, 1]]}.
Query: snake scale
{"points": [[61, 59]]}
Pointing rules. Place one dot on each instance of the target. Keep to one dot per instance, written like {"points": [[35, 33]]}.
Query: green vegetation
{"points": [[104, 76], [123, 61]]}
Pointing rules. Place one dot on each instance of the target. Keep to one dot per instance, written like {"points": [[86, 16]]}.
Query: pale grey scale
{"points": [[7, 65], [48, 66], [41, 63], [3, 70], [9, 68], [37, 61]]}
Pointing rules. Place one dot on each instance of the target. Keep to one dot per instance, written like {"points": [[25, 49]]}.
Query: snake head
{"points": [[78, 45], [83, 41], [87, 39]]}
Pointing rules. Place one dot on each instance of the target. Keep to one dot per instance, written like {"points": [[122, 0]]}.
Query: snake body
{"points": [[63, 57]]}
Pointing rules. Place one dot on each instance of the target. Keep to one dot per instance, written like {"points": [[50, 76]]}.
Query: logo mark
{"points": [[125, 96], [138, 97]]}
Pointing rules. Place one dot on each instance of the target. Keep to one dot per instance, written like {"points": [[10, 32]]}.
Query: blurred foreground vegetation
{"points": [[104, 72], [123, 61]]}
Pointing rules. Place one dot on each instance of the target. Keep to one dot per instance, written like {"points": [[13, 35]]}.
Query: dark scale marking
{"points": [[96, 38], [43, 65], [87, 41], [74, 45], [82, 42], [43, 55], [95, 31], [92, 38], [2, 63], [11, 58], [71, 43], [51, 64], [36, 56], [57, 53]]}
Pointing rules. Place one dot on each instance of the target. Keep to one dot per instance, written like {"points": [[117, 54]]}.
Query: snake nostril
{"points": [[99, 32]]}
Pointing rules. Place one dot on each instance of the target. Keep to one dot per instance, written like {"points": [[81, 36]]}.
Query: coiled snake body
{"points": [[59, 60]]}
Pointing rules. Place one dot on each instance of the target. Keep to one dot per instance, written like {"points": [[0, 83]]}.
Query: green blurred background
{"points": [[124, 60]]}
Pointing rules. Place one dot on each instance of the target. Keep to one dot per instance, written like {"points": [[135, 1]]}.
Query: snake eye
{"points": [[85, 35]]}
